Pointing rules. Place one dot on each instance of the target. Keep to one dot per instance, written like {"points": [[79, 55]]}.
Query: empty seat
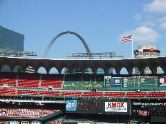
{"points": [[156, 94], [28, 81], [49, 93], [92, 94], [136, 94], [7, 79], [70, 93], [114, 94], [51, 81]]}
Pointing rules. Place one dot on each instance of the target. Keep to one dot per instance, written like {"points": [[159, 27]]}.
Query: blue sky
{"points": [[100, 22]]}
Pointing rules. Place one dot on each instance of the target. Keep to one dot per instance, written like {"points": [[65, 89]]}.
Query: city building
{"points": [[8, 37]]}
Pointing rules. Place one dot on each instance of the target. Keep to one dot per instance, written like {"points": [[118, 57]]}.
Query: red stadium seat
{"points": [[28, 81], [25, 113], [114, 94], [70, 93], [136, 94], [27, 92], [92, 94], [156, 94], [7, 79], [51, 81], [49, 93], [7, 92]]}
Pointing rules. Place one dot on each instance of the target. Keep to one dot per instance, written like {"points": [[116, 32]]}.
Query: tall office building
{"points": [[11, 40]]}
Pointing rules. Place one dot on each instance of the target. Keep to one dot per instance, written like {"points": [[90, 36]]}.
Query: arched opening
{"points": [[5, 68], [147, 70], [112, 71], [65, 71], [76, 71], [88, 71], [30, 69], [17, 69], [42, 70], [100, 71], [123, 71], [53, 70], [160, 70], [135, 71]]}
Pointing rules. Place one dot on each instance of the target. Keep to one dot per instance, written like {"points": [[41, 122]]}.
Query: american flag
{"points": [[126, 38]]}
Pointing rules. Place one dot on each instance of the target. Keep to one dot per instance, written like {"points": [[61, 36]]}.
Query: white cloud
{"points": [[163, 25], [156, 6], [150, 23], [145, 34]]}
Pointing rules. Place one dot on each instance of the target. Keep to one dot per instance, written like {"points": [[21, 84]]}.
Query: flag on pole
{"points": [[126, 39]]}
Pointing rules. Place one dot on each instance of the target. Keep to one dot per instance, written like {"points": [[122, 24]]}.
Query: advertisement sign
{"points": [[107, 81], [71, 105], [117, 81], [115, 106], [162, 81]]}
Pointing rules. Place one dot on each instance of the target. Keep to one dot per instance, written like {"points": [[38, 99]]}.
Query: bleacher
{"points": [[25, 113], [23, 84], [7, 79], [28, 80], [51, 81]]}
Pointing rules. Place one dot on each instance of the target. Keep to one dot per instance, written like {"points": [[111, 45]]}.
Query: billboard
{"points": [[116, 81], [102, 106], [162, 81], [71, 105], [145, 107], [140, 81], [115, 106], [107, 81], [113, 81], [90, 106]]}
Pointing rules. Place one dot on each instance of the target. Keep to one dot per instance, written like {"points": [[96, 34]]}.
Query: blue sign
{"points": [[71, 105]]}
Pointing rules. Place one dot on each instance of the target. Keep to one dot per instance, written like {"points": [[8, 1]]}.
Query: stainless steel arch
{"points": [[63, 33]]}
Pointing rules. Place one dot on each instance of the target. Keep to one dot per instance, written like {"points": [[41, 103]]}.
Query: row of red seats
{"points": [[25, 113], [156, 94], [70, 93], [136, 94], [114, 94], [7, 92], [31, 81], [9, 80], [11, 92], [28, 81]]}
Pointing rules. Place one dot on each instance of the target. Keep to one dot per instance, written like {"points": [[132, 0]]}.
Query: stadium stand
{"points": [[7, 92], [136, 94], [114, 94], [7, 79], [156, 94], [25, 113], [48, 93], [28, 80], [51, 81]]}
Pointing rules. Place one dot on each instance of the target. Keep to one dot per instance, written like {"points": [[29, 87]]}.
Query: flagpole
{"points": [[132, 56]]}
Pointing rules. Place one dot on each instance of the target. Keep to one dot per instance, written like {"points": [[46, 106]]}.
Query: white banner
{"points": [[115, 106]]}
